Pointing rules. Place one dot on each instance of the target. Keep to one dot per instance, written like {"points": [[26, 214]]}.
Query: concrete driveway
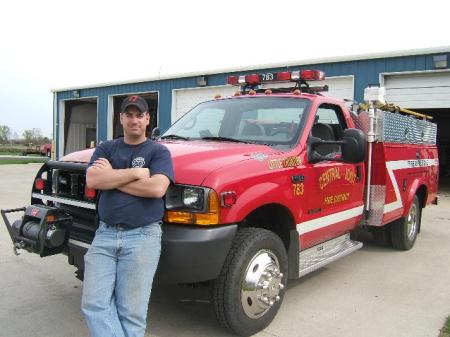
{"points": [[374, 292]]}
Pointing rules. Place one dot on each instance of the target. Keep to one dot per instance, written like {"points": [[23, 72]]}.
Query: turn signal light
{"points": [[90, 193], [51, 218], [39, 184], [190, 218], [179, 217]]}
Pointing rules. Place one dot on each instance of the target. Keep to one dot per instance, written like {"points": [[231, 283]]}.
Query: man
{"points": [[133, 174]]}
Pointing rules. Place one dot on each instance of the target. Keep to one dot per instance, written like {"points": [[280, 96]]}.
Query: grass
{"points": [[10, 153], [445, 331], [12, 149], [22, 160]]}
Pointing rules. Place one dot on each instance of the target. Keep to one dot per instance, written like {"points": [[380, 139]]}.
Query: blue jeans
{"points": [[118, 277]]}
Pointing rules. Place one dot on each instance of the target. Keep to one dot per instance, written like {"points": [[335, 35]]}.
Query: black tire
{"points": [[382, 235], [239, 309], [404, 230]]}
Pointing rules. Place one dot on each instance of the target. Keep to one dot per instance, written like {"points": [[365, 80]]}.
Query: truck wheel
{"points": [[250, 288], [404, 230], [382, 235]]}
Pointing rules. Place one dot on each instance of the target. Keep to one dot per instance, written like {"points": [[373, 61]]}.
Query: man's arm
{"points": [[102, 176], [153, 187]]}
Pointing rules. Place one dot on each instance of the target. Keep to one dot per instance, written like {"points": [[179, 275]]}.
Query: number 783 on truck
{"points": [[270, 185]]}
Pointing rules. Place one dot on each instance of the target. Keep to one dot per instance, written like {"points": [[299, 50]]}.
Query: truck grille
{"points": [[68, 184]]}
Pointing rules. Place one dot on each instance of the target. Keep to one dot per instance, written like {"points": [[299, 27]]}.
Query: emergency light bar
{"points": [[282, 76]]}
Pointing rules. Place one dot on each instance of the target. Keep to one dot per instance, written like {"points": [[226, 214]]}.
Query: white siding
{"points": [[419, 91], [185, 99]]}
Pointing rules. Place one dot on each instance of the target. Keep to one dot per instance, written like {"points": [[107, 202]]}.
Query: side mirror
{"points": [[156, 133], [353, 146], [316, 147]]}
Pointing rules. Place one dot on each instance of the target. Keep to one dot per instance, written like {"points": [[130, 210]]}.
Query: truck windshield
{"points": [[264, 120]]}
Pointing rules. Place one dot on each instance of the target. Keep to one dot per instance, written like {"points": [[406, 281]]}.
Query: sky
{"points": [[47, 45]]}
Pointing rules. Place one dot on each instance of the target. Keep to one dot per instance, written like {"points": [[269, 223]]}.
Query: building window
{"points": [[440, 61]]}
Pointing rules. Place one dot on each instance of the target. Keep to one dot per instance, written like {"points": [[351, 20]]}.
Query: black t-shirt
{"points": [[116, 207]]}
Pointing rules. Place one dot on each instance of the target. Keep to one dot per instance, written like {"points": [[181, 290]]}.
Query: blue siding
{"points": [[365, 72]]}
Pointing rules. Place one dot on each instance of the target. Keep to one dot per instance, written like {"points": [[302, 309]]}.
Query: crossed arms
{"points": [[134, 181]]}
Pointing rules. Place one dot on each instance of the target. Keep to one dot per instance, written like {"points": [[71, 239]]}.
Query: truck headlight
{"points": [[193, 198], [185, 197], [192, 205]]}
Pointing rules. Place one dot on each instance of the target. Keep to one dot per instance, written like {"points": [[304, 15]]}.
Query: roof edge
{"points": [[333, 59]]}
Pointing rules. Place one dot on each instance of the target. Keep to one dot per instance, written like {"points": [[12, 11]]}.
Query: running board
{"points": [[318, 256]]}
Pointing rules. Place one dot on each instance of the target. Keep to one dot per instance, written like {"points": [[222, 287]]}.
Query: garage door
{"points": [[185, 99], [419, 91], [338, 86]]}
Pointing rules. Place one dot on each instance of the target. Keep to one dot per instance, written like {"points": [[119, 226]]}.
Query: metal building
{"points": [[414, 79]]}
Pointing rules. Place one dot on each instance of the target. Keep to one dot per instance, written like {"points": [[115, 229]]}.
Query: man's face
{"points": [[134, 122]]}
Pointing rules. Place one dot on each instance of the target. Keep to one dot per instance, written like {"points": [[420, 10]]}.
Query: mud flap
{"points": [[42, 230]]}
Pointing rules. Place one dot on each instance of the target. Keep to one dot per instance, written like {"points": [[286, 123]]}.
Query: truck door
{"points": [[334, 189]]}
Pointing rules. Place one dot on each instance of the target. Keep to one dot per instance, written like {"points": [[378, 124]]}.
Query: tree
{"points": [[28, 136], [33, 136], [5, 133], [37, 134]]}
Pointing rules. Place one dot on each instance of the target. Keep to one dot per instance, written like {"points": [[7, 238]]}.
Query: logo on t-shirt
{"points": [[138, 162]]}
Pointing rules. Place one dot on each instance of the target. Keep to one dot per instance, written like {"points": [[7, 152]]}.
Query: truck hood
{"points": [[195, 160]]}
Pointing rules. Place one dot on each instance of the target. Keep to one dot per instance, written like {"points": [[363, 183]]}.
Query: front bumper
{"points": [[188, 254], [193, 254]]}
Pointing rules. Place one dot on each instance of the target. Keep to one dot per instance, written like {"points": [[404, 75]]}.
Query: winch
{"points": [[42, 230]]}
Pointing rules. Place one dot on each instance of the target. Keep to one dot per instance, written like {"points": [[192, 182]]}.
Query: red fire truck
{"points": [[271, 183]]}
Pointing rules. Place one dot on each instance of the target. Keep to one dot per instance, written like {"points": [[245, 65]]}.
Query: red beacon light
{"points": [[233, 80], [252, 79], [237, 80], [282, 76], [312, 75], [244, 79]]}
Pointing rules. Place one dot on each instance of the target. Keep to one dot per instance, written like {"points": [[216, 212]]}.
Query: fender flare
{"points": [[261, 195], [415, 186], [257, 196]]}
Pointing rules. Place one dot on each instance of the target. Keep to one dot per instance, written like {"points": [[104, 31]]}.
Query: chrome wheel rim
{"points": [[261, 284], [412, 222]]}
